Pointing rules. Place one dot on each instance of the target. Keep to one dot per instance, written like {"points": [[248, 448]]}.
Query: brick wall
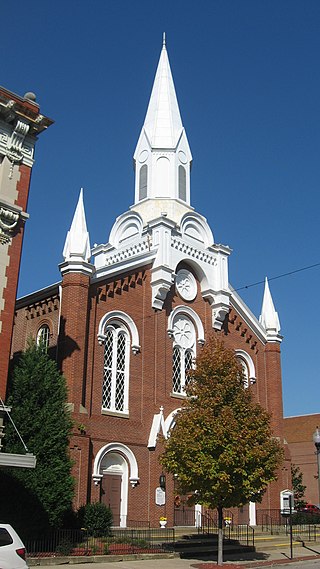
{"points": [[82, 308]]}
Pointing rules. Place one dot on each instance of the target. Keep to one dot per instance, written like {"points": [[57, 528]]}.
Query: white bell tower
{"points": [[162, 157]]}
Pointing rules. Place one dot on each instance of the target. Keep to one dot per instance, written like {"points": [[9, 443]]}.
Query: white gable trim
{"points": [[248, 317]]}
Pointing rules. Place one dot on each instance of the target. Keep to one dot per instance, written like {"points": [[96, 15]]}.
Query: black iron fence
{"points": [[127, 541], [242, 533], [184, 516], [274, 522]]}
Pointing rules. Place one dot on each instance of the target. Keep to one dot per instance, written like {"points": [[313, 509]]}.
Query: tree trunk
{"points": [[220, 535]]}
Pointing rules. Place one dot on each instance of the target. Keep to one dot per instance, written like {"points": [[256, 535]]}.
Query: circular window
{"points": [[186, 285]]}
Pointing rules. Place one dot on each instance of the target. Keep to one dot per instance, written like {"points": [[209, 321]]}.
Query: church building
{"points": [[130, 316]]}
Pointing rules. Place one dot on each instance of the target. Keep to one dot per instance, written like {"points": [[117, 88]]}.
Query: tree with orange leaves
{"points": [[221, 449]]}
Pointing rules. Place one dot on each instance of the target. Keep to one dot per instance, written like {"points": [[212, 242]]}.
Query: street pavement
{"points": [[308, 557]]}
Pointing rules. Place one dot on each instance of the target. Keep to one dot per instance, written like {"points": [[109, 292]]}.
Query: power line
{"points": [[279, 276]]}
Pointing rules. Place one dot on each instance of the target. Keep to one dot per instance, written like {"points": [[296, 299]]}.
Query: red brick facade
{"points": [[150, 382], [114, 326], [298, 433]]}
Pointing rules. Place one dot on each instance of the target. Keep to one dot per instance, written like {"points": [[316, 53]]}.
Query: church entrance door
{"points": [[111, 495]]}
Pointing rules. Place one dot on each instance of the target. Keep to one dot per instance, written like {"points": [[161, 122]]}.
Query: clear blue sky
{"points": [[248, 84]]}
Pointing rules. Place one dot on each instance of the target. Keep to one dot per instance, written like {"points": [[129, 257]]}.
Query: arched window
{"points": [[184, 344], [182, 184], [43, 336], [117, 332], [245, 372], [116, 368], [143, 182], [247, 367]]}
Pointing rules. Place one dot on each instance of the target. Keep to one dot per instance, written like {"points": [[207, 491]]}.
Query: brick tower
{"points": [[20, 123]]}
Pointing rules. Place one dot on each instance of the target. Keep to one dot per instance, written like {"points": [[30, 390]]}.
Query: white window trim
{"points": [[127, 320], [118, 448], [187, 311], [39, 337], [112, 408], [248, 360]]}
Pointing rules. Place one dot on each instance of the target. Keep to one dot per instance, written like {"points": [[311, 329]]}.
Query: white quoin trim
{"points": [[182, 309], [127, 320], [117, 448], [245, 356]]}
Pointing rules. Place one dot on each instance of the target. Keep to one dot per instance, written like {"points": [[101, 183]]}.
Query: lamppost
{"points": [[316, 440]]}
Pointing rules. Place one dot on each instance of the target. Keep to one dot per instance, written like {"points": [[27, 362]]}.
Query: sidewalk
{"points": [[277, 556]]}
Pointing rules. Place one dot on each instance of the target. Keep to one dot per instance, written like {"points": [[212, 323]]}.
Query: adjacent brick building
{"points": [[298, 432], [130, 316], [20, 123]]}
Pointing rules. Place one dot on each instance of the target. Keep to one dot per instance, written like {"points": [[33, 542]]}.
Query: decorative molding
{"points": [[187, 311], [129, 323], [8, 224], [218, 316], [120, 285], [42, 307], [193, 252], [246, 321], [14, 150], [128, 252], [124, 451], [186, 285]]}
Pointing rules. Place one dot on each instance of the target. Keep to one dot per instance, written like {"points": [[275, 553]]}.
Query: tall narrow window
{"points": [[43, 336], [143, 182], [183, 352], [182, 184], [116, 368], [245, 372], [248, 368]]}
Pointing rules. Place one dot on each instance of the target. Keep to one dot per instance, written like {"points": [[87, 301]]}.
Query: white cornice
{"points": [[75, 266], [248, 317]]}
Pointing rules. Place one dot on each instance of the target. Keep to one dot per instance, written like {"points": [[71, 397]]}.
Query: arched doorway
{"points": [[114, 486], [114, 467]]}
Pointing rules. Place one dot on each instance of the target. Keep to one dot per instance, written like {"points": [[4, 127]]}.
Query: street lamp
{"points": [[316, 440]]}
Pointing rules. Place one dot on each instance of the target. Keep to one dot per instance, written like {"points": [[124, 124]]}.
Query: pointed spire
{"points": [[269, 317], [163, 123], [162, 156], [77, 244]]}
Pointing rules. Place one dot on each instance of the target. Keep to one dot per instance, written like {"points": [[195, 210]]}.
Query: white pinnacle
{"points": [[269, 317], [163, 124], [77, 244]]}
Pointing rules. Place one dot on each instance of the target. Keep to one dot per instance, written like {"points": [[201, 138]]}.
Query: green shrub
{"points": [[96, 518], [106, 549], [305, 518], [64, 547]]}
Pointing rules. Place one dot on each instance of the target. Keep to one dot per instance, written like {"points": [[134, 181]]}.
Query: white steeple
{"points": [[77, 244], [269, 317], [163, 125], [162, 157]]}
